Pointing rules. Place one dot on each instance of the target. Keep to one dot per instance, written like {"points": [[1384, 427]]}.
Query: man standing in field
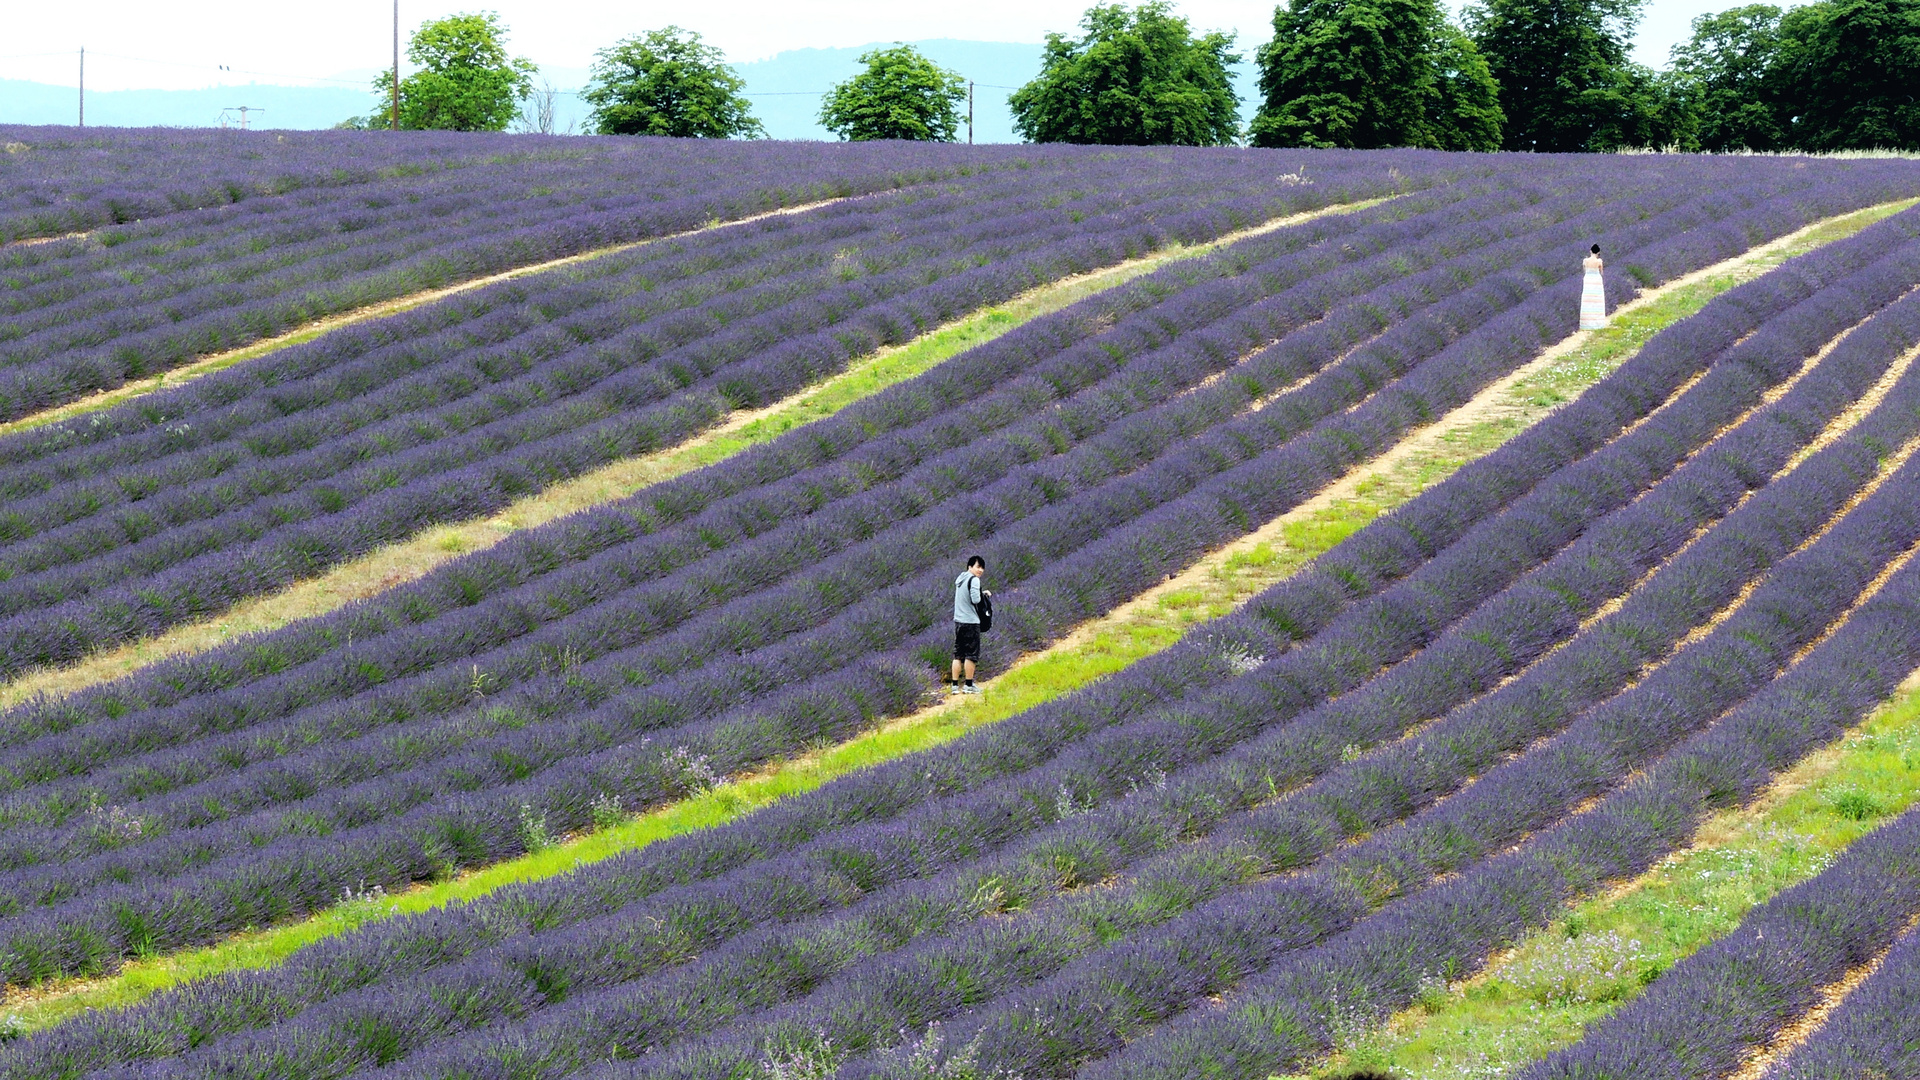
{"points": [[966, 624]]}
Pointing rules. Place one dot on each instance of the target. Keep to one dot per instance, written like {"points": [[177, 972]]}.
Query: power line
{"points": [[238, 71], [199, 67]]}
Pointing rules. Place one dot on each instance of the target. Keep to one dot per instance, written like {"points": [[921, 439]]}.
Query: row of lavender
{"points": [[1289, 1013], [971, 960], [1105, 394], [95, 869], [856, 858], [1281, 1018], [370, 435], [61, 180], [256, 867], [1876, 1030], [1706, 1015], [148, 448], [88, 314], [1194, 890], [65, 715], [290, 854]]}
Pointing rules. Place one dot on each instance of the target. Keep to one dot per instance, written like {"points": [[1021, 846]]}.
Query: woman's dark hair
{"points": [[975, 560], [1596, 249]]}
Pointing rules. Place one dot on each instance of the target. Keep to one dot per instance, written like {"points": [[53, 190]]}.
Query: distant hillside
{"points": [[785, 88], [286, 106]]}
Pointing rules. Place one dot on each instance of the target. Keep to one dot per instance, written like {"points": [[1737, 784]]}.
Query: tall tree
{"points": [[1373, 73], [1464, 110], [1565, 81], [669, 82], [1723, 73], [899, 95], [1847, 75], [1137, 78], [465, 82]]}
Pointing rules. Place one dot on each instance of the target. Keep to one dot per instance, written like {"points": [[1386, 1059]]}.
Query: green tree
{"points": [[1464, 110], [465, 82], [669, 82], [1373, 73], [1722, 72], [1565, 81], [1136, 78], [900, 95], [1846, 75]]}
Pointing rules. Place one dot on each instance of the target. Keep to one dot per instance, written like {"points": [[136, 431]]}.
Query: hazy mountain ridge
{"points": [[785, 89]]}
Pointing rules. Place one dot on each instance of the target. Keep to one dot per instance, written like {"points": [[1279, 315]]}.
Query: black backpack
{"points": [[984, 609]]}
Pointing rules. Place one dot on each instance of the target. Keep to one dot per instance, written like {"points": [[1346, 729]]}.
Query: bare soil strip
{"points": [[33, 241]]}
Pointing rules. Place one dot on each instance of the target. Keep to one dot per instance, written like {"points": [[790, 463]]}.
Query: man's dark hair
{"points": [[975, 560]]}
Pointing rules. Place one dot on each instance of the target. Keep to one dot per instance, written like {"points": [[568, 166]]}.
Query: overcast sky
{"points": [[181, 44]]}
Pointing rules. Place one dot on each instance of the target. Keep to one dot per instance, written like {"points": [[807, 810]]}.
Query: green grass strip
{"points": [[1213, 588], [1539, 997]]}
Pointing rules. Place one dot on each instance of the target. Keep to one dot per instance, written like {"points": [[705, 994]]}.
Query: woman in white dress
{"points": [[1593, 294]]}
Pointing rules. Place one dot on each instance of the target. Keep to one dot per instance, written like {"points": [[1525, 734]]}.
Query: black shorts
{"points": [[966, 641]]}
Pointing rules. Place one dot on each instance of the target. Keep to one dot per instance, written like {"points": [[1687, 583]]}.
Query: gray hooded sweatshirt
{"points": [[966, 593]]}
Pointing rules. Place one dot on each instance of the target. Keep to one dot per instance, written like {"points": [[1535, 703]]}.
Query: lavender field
{"points": [[1531, 681]]}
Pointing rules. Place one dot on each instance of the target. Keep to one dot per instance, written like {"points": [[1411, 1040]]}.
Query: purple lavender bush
{"points": [[1875, 1032], [869, 1001], [1073, 793], [1704, 1015], [477, 832], [243, 498], [1711, 425], [1295, 1010], [69, 334]]}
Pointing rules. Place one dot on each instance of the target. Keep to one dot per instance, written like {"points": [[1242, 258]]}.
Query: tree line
{"points": [[1532, 75]]}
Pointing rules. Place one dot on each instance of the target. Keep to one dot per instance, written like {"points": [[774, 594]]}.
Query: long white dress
{"points": [[1593, 296]]}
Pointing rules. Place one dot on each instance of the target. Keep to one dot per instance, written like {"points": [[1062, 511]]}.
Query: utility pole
{"points": [[396, 65], [83, 86], [969, 112], [242, 110]]}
